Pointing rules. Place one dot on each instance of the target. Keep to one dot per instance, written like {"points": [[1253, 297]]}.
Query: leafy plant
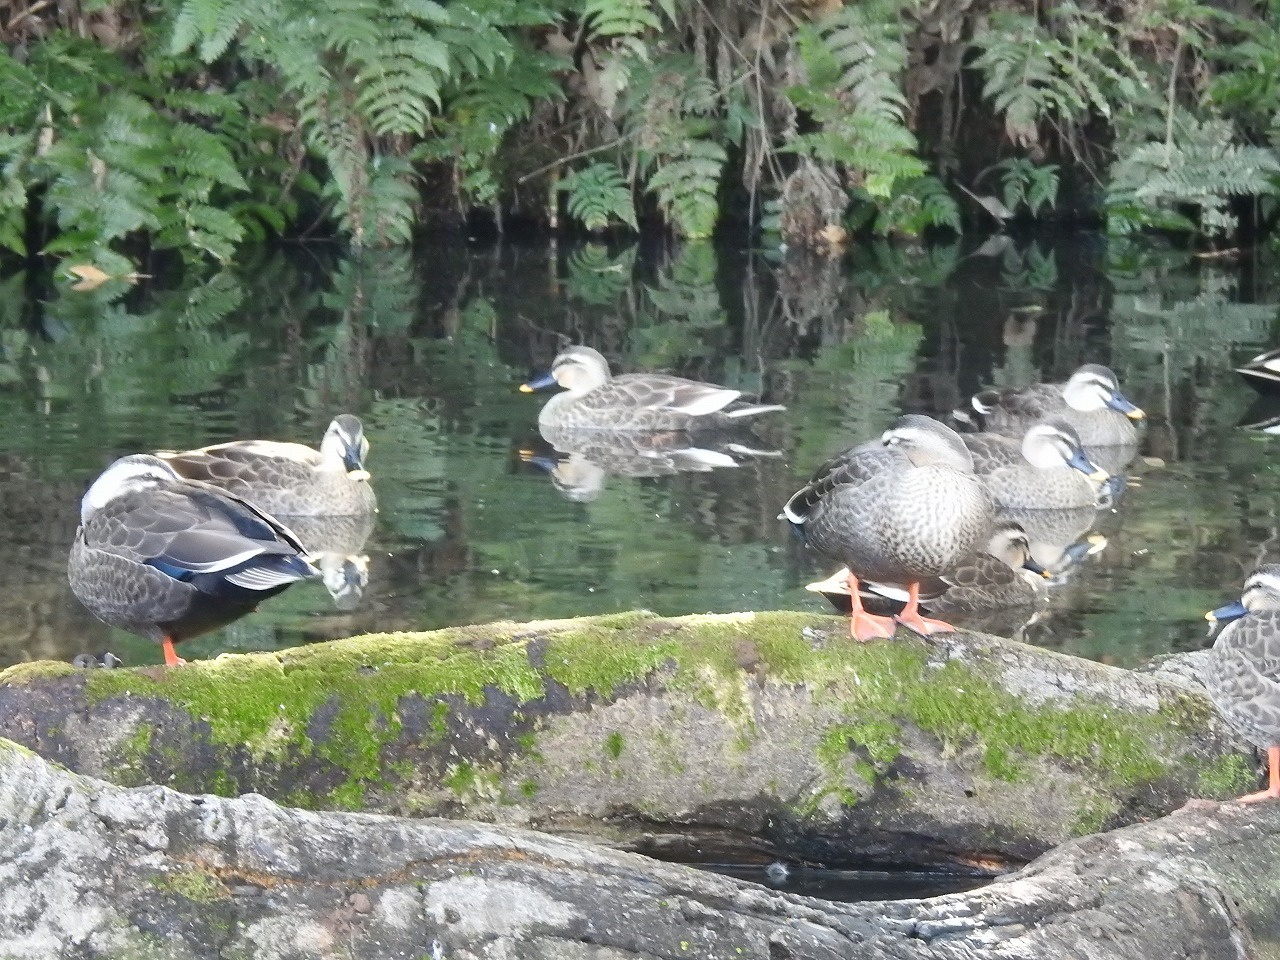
{"points": [[599, 195]]}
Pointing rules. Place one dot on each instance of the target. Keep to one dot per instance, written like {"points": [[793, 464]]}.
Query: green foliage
{"points": [[197, 125], [1025, 183], [1066, 70], [1199, 170], [854, 60], [598, 196]]}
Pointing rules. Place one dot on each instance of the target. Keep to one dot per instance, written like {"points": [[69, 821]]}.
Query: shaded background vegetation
{"points": [[197, 125]]}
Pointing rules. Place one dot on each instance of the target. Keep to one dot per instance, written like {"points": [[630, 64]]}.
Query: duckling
{"points": [[1090, 401], [900, 511], [634, 401], [169, 558], [1046, 470], [1242, 674], [1004, 574], [289, 479]]}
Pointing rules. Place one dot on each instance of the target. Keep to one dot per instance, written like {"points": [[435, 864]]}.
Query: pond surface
{"points": [[429, 349]]}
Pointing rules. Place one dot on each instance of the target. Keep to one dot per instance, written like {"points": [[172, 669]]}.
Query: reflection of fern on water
{"points": [[597, 278], [853, 384]]}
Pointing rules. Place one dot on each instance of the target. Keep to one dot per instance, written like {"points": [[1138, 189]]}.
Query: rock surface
{"points": [[92, 870], [768, 733]]}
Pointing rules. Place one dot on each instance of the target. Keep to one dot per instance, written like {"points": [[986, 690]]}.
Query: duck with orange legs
{"points": [[170, 558], [899, 510], [1243, 672]]}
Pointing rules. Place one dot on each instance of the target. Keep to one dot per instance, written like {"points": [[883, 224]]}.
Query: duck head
{"points": [[1095, 387], [346, 441], [924, 441], [135, 472], [1056, 444], [578, 369], [1261, 594], [1009, 545]]}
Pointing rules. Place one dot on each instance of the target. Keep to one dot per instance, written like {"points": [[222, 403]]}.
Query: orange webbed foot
{"points": [[864, 626], [923, 625]]}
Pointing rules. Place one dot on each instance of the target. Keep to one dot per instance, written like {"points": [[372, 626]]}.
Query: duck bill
{"points": [[1037, 568], [540, 383], [1122, 404], [1086, 466], [1232, 611]]}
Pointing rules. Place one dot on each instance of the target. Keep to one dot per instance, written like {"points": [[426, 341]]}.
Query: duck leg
{"points": [[171, 658], [864, 626], [911, 618], [1273, 790]]}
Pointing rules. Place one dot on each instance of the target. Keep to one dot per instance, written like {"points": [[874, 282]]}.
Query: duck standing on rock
{"points": [[594, 400], [896, 511], [169, 558], [1243, 672], [289, 479]]}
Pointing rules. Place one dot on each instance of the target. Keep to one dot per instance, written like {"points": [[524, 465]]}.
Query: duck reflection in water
{"points": [[580, 462], [336, 547]]}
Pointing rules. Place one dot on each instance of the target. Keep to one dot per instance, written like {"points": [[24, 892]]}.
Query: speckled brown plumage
{"points": [[893, 519], [1013, 410], [288, 479], [635, 401], [164, 557]]}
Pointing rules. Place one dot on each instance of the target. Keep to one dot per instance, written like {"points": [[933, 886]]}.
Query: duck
{"points": [[169, 558], [1046, 470], [1002, 574], [594, 399], [899, 511], [1242, 673], [1090, 401], [1263, 371], [289, 479]]}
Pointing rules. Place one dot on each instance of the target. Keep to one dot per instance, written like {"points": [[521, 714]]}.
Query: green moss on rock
{"points": [[21, 673], [271, 705], [195, 885]]}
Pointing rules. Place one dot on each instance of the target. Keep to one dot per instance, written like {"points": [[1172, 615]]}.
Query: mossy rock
{"points": [[772, 731]]}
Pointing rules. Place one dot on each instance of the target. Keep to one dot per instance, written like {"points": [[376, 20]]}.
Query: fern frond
{"points": [[619, 18], [687, 187], [599, 195]]}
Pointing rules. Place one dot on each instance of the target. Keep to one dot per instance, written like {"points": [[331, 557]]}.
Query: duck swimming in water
{"points": [[634, 401], [289, 479], [169, 558], [1091, 402]]}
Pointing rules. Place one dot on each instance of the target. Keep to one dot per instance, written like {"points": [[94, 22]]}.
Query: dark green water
{"points": [[429, 350]]}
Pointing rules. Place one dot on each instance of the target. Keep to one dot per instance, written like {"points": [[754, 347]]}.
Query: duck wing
{"points": [[853, 467], [658, 391], [243, 464], [984, 583], [1037, 401], [199, 535], [991, 451]]}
